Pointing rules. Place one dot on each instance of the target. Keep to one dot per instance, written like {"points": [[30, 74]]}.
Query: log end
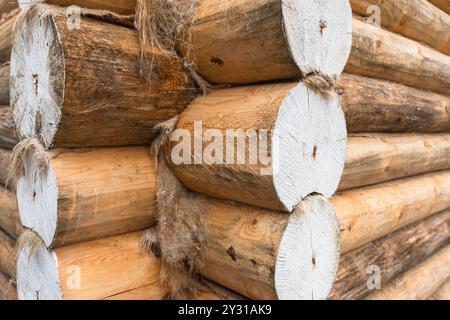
{"points": [[309, 252], [37, 75], [37, 195], [309, 146], [319, 34], [37, 272]]}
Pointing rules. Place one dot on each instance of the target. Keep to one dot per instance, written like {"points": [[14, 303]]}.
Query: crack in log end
{"points": [[232, 253], [217, 61], [314, 154], [38, 123], [323, 26], [314, 262], [35, 81]]}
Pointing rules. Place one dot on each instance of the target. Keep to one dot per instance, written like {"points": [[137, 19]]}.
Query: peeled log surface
{"points": [[246, 41], [420, 282], [417, 20], [393, 255], [372, 105], [126, 7], [105, 268], [370, 213], [89, 95], [375, 158], [4, 84], [384, 55], [443, 293], [6, 28], [444, 5], [6, 6], [8, 134], [8, 291], [88, 194], [5, 160], [291, 143], [258, 253], [8, 255], [9, 214]]}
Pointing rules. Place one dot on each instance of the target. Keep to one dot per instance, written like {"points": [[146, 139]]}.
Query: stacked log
{"points": [[355, 174]]}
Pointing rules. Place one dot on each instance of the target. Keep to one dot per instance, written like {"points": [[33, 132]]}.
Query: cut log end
{"points": [[37, 75], [309, 146], [319, 34], [37, 195], [308, 256], [37, 273]]}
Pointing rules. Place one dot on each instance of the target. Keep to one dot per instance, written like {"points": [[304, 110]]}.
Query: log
{"points": [[389, 257], [8, 290], [271, 39], [126, 7], [9, 215], [268, 146], [369, 213], [372, 105], [86, 271], [255, 252], [4, 84], [376, 158], [5, 160], [8, 255], [384, 55], [87, 194], [420, 282], [6, 31], [417, 20], [8, 134], [118, 105], [443, 293], [444, 5], [156, 292], [6, 6]]}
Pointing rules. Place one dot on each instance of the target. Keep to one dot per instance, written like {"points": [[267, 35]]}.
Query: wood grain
{"points": [[4, 84], [369, 213], [8, 255], [384, 55], [391, 255], [8, 134], [373, 105], [5, 160], [444, 5], [420, 282], [126, 7], [443, 293], [6, 28], [9, 214], [417, 20], [376, 158], [8, 291]]}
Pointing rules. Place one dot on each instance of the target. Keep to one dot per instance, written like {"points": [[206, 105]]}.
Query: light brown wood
{"points": [[6, 28], [369, 213], [420, 282], [444, 5], [218, 147], [119, 6], [375, 158], [90, 194], [8, 135], [5, 157], [4, 84], [443, 293], [119, 104], [9, 214], [6, 6], [373, 105], [260, 32], [384, 55], [8, 290], [417, 20], [8, 255], [388, 257]]}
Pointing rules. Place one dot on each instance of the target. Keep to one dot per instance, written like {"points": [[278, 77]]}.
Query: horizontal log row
{"points": [[8, 134], [417, 20], [250, 251], [4, 84], [5, 157], [374, 265], [6, 6], [8, 291], [444, 5], [126, 7], [420, 282], [9, 217], [6, 33], [8, 255]]}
